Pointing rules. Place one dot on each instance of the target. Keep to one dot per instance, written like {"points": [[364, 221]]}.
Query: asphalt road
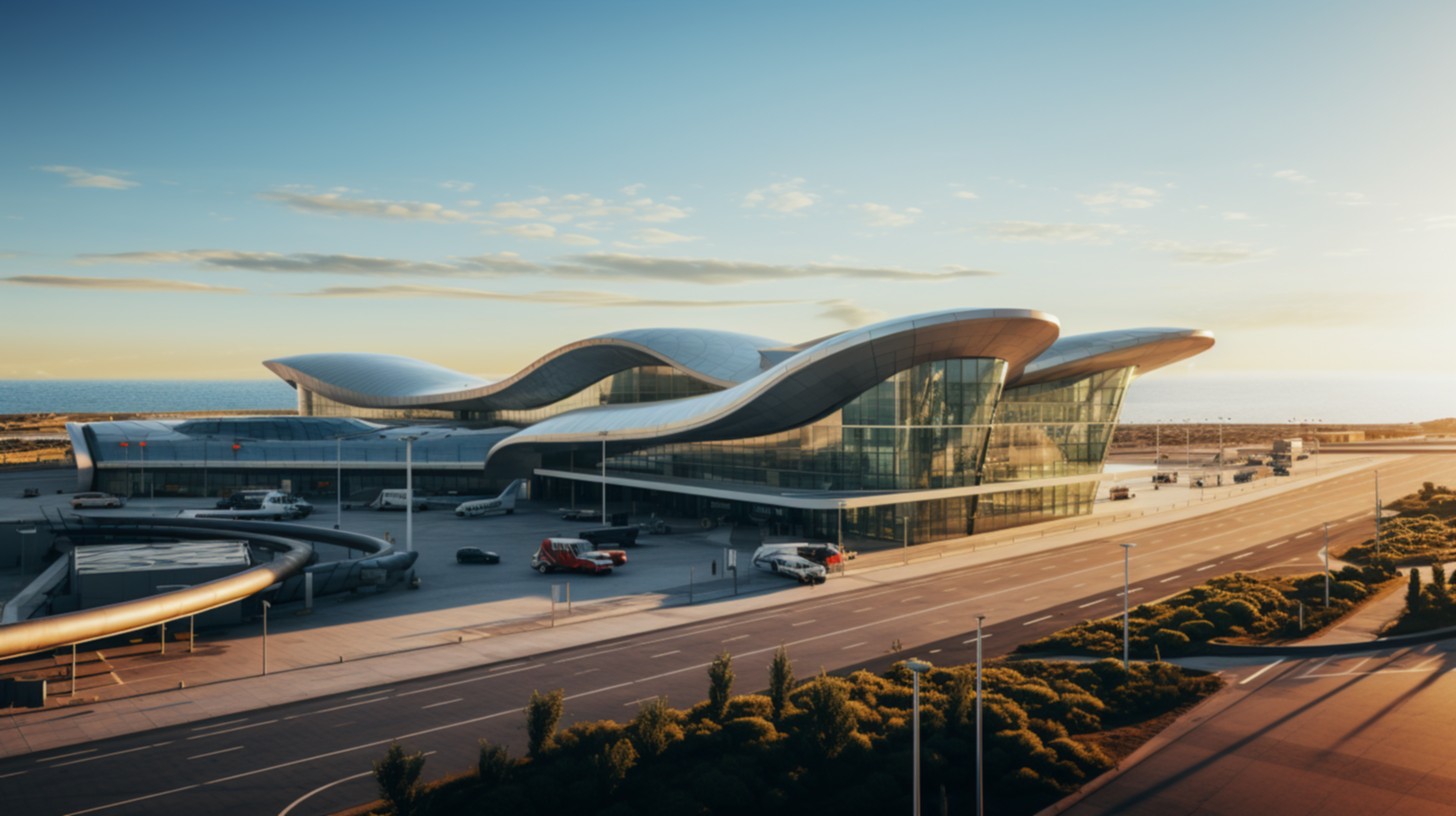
{"points": [[314, 757]]}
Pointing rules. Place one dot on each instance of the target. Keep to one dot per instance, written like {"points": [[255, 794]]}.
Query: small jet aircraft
{"points": [[505, 503]]}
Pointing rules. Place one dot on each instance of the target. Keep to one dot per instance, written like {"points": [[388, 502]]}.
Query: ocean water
{"points": [[1243, 398]]}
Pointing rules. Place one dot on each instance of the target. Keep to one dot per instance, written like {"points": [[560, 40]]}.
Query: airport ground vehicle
{"points": [[505, 503], [81, 500], [621, 536], [782, 562], [1119, 494], [475, 555], [655, 526], [575, 555], [584, 514], [273, 505], [828, 555], [393, 499]]}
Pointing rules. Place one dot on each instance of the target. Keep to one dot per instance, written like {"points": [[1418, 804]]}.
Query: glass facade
{"points": [[1055, 429], [923, 428]]}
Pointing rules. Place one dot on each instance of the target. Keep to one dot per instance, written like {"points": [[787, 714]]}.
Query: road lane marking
{"points": [[102, 756], [1256, 674], [1093, 603], [309, 714], [221, 724], [73, 753], [1032, 598], [1170, 578], [667, 654], [864, 609], [1243, 555], [854, 645], [735, 637], [1275, 544], [988, 634], [932, 651], [442, 703], [494, 674], [1209, 567], [905, 600], [1079, 586], [215, 753], [13, 773], [246, 727], [640, 701], [1052, 567], [804, 623], [951, 589], [1037, 620], [585, 671], [369, 694], [320, 789], [1303, 535], [133, 801]]}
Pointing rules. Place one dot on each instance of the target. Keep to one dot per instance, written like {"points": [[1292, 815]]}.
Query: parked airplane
{"points": [[504, 503]]}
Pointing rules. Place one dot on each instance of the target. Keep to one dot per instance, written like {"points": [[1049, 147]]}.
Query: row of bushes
{"points": [[833, 744], [1247, 607], [1423, 532], [1429, 606]]}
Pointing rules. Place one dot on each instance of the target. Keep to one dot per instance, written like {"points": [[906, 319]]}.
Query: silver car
{"points": [[81, 500]]}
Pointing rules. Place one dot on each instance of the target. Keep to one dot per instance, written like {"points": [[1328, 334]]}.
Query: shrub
{"points": [[749, 705], [1197, 630], [827, 719], [1170, 641], [780, 681], [543, 712], [654, 728], [397, 776], [720, 685], [494, 764]]}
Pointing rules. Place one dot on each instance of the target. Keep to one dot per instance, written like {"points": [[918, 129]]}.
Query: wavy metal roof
{"points": [[1083, 354], [389, 381], [807, 385]]}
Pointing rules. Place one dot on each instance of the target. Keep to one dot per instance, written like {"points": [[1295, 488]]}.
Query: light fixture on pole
{"points": [[409, 492], [1126, 555], [980, 763], [917, 668]]}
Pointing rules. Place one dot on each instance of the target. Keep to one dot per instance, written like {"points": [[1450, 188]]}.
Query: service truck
{"points": [[575, 555]]}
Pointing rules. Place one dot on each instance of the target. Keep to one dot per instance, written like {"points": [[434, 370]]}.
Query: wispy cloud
{"points": [[1236, 216], [634, 189], [848, 313], [1019, 231], [1350, 199], [1218, 254], [782, 197], [1293, 176], [883, 215], [535, 232], [1120, 196], [1439, 222], [653, 235], [458, 186], [964, 195], [79, 177], [590, 265], [122, 284], [336, 203], [558, 297]]}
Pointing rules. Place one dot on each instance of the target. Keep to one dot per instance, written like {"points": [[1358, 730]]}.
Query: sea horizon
{"points": [[1263, 397]]}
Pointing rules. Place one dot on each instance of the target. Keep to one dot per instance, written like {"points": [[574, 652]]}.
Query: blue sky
{"points": [[189, 188]]}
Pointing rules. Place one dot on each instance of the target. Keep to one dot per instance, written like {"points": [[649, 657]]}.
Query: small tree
{"points": [[1438, 576], [616, 760], [494, 764], [1413, 592], [653, 729], [720, 685], [543, 713], [830, 722], [397, 776], [780, 682]]}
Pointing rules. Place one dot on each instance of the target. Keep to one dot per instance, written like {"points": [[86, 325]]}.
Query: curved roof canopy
{"points": [[1144, 349]]}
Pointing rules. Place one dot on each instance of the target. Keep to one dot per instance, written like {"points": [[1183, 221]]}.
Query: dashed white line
{"points": [[73, 753], [986, 635], [101, 756], [494, 674], [111, 805], [1079, 586], [220, 725], [1093, 603], [1275, 544], [802, 623], [640, 700], [15, 773], [310, 713], [585, 671], [735, 637], [1032, 598], [854, 645], [666, 654], [1170, 578], [1209, 567], [861, 609], [369, 694], [1304, 535], [1243, 555], [442, 703], [909, 599], [1037, 620], [215, 753]]}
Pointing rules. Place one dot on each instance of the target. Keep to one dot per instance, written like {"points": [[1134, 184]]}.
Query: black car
{"points": [[475, 555]]}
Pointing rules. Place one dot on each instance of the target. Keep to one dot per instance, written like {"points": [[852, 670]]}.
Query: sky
{"points": [[189, 188]]}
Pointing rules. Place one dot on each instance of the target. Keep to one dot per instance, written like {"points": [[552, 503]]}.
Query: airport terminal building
{"points": [[915, 429]]}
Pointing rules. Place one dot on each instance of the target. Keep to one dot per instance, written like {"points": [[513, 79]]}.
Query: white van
{"points": [[397, 500]]}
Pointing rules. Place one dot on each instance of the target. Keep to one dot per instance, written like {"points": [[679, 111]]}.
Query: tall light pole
{"points": [[1188, 444], [1378, 510], [1327, 565], [1126, 555], [905, 529], [604, 477], [266, 605], [409, 492], [143, 445], [917, 667], [980, 764], [338, 481], [840, 534], [1157, 446]]}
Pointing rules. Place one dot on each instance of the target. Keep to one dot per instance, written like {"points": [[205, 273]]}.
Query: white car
{"points": [[796, 566], [81, 500]]}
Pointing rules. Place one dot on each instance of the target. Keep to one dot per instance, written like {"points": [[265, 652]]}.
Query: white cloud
{"points": [[849, 313], [715, 271], [1121, 196], [458, 186], [633, 189], [1219, 254], [1439, 222], [783, 197], [559, 297], [85, 178], [1021, 231], [535, 232], [965, 195], [576, 239], [882, 215], [122, 284], [336, 203], [656, 212], [504, 263], [1293, 176], [513, 209], [653, 235], [1236, 216], [1350, 199]]}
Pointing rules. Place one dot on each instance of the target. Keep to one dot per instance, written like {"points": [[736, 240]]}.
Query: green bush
{"points": [[1170, 641], [1197, 630]]}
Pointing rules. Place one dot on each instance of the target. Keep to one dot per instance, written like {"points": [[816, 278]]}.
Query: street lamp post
{"points": [[266, 605], [338, 481], [840, 534], [1377, 510], [980, 764], [1327, 565], [905, 530], [1126, 555], [604, 477], [1188, 445], [917, 667], [409, 493], [25, 535]]}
